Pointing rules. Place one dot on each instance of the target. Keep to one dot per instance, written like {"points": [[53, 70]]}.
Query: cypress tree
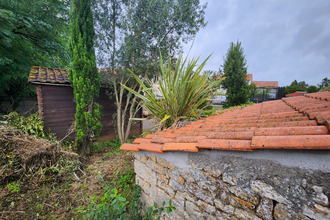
{"points": [[235, 82], [84, 75]]}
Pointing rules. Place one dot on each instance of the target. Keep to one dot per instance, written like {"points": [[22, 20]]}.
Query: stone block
{"points": [[175, 185], [222, 215], [188, 177], [165, 163], [161, 196], [186, 196], [213, 172], [243, 214], [223, 207], [245, 194], [237, 202], [144, 185], [145, 173], [192, 209], [207, 207], [143, 159], [162, 178], [153, 158], [265, 209], [228, 178], [146, 200], [318, 212], [200, 193], [181, 180], [282, 211], [320, 197], [156, 167], [268, 191]]}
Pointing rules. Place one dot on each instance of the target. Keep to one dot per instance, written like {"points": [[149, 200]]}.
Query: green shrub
{"points": [[121, 200], [184, 91], [14, 187], [326, 88], [30, 125]]}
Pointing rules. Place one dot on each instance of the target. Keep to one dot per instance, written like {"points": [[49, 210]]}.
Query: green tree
{"points": [[31, 33], [234, 68], [312, 89], [325, 82], [84, 75], [296, 86], [137, 31]]}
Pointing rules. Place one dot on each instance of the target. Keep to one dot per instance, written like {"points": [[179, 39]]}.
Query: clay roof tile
{"points": [[301, 122]]}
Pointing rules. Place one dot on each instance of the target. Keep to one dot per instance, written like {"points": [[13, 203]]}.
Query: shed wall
{"points": [[57, 109]]}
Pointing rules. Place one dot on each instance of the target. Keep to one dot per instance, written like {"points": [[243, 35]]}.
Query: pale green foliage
{"points": [[326, 88], [183, 91]]}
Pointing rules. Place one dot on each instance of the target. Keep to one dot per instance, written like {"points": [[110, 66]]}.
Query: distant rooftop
{"points": [[297, 93], [265, 84]]}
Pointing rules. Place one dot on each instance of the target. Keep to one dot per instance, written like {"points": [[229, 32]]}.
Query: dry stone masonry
{"points": [[221, 185]]}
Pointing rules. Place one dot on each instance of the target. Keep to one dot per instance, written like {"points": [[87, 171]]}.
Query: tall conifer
{"points": [[234, 68], [84, 75]]}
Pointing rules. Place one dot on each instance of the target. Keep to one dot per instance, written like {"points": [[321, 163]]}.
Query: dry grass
{"points": [[59, 184]]}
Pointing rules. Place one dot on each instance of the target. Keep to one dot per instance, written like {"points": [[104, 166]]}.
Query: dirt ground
{"points": [[50, 194]]}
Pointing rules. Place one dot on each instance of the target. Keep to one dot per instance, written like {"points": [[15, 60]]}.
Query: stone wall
{"points": [[235, 185]]}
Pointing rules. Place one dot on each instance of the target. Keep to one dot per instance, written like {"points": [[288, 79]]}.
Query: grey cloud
{"points": [[282, 40]]}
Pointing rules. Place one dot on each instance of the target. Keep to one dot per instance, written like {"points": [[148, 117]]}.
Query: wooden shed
{"points": [[57, 108]]}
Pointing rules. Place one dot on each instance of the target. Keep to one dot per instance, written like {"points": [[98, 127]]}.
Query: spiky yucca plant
{"points": [[184, 91]]}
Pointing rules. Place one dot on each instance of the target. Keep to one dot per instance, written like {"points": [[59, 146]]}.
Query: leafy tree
{"points": [[234, 68], [296, 86], [326, 88], [325, 82], [312, 89], [137, 31], [84, 75], [31, 33]]}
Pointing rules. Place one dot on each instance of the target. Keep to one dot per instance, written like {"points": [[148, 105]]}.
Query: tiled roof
{"points": [[48, 75], [295, 94], [249, 77], [267, 84], [291, 123]]}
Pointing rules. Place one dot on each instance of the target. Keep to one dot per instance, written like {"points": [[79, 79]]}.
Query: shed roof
{"points": [[291, 123], [265, 84], [48, 76]]}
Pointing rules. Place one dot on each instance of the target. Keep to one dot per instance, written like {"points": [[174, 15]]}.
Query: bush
{"points": [[183, 91], [121, 200], [30, 125], [326, 88]]}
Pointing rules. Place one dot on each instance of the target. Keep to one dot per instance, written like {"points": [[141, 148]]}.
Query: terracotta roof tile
{"points": [[309, 130], [291, 142], [129, 147], [180, 147], [141, 140], [150, 147], [221, 144], [301, 122]]}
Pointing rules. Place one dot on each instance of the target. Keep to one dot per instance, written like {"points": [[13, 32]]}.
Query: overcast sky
{"points": [[283, 40]]}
